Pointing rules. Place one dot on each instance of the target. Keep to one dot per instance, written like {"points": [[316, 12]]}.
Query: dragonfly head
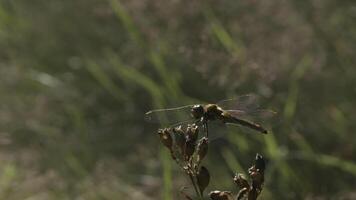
{"points": [[197, 111]]}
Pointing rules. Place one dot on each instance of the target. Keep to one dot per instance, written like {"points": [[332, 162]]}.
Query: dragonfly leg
{"points": [[207, 129]]}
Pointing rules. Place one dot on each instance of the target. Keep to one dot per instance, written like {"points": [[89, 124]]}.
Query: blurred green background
{"points": [[76, 78]]}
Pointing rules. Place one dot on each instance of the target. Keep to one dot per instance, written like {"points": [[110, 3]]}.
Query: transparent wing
{"points": [[217, 130], [220, 131], [264, 119], [263, 116], [245, 103], [170, 115]]}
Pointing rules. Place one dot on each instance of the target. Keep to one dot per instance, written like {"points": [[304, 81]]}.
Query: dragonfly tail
{"points": [[246, 123]]}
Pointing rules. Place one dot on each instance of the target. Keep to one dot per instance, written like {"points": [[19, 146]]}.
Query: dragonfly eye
{"points": [[197, 111]]}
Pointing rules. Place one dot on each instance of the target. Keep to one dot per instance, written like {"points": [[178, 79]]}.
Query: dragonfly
{"points": [[240, 111]]}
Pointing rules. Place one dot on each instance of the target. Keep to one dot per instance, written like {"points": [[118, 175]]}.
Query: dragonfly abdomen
{"points": [[242, 122]]}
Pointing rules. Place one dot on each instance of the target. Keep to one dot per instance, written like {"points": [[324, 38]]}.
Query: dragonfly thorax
{"points": [[212, 112]]}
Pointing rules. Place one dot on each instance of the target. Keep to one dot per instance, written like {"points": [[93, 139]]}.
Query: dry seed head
{"points": [[220, 195], [202, 148], [189, 149], [252, 170], [257, 177], [241, 181], [203, 178], [252, 194], [257, 181], [260, 163], [165, 138], [179, 137], [192, 132], [242, 193]]}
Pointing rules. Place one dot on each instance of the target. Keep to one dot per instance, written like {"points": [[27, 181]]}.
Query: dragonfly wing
{"points": [[169, 115], [263, 116], [245, 129], [217, 130], [244, 103]]}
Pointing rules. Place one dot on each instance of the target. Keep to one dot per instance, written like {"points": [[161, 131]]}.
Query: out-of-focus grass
{"points": [[325, 160], [171, 89], [235, 47], [292, 99], [231, 161], [105, 81], [130, 75], [8, 175]]}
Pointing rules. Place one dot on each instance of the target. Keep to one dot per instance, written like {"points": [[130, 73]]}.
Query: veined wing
{"points": [[258, 115], [244, 103], [170, 115], [258, 120]]}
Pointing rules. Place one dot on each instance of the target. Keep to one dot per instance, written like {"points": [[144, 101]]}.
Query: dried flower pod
{"points": [[242, 193], [256, 172], [253, 194], [257, 180], [202, 148], [189, 149], [203, 179], [260, 163], [241, 181], [252, 170], [166, 138], [179, 137], [220, 195], [192, 132]]}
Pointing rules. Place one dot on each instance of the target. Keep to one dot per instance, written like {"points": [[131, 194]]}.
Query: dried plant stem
{"points": [[191, 172], [195, 186]]}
